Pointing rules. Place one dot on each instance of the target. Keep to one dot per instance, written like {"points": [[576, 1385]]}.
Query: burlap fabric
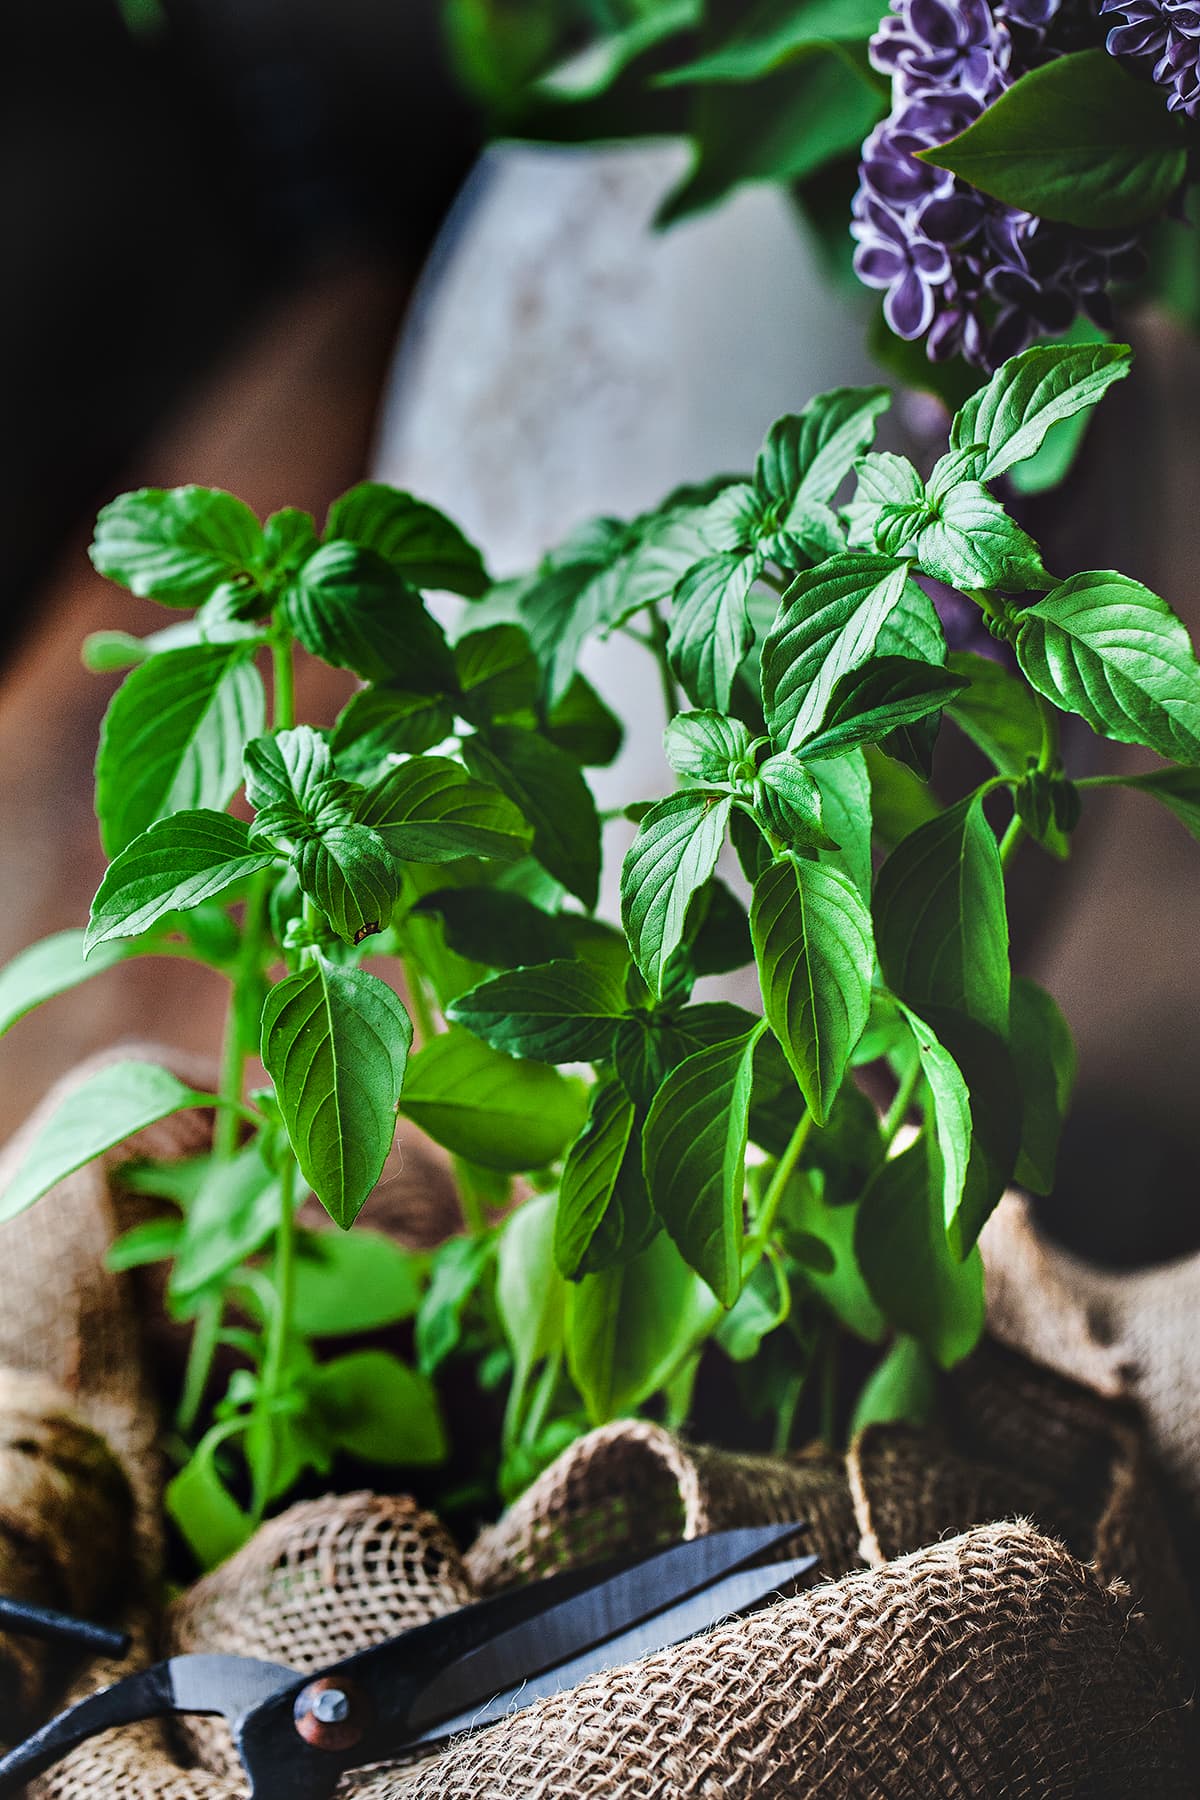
{"points": [[1128, 1333], [59, 1484], [934, 1660]]}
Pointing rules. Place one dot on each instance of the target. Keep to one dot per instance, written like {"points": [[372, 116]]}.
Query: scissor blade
{"points": [[591, 1618], [738, 1593]]}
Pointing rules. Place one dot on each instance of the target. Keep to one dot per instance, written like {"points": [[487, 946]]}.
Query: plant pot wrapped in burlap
{"points": [[1128, 1334], [945, 1653]]}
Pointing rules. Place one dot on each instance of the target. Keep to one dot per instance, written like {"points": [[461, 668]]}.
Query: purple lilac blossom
{"points": [[1161, 39], [970, 275]]}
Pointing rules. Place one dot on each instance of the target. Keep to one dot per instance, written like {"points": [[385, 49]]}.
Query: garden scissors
{"points": [[297, 1734]]}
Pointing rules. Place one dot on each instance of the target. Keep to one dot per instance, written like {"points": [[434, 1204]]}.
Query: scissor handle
{"points": [[146, 1695], [229, 1685], [27, 1620]]}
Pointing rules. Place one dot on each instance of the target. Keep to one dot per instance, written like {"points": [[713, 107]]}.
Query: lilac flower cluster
{"points": [[963, 271], [1159, 38]]}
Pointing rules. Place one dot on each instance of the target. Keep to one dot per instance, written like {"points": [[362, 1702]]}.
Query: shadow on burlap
{"points": [[1001, 1612]]}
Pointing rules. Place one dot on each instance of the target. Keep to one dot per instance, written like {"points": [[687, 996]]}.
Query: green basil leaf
{"points": [[629, 1327], [584, 727], [497, 1112], [900, 800], [1176, 789], [849, 1147], [585, 78], [596, 1169], [459, 1266], [783, 128], [431, 810], [628, 1223], [1032, 392], [721, 942], [53, 966], [648, 1045], [805, 1214], [807, 455], [695, 1159], [289, 772], [235, 1212], [940, 923], [282, 1443], [174, 865], [886, 1037], [705, 745], [419, 936], [1049, 467], [110, 652], [708, 1023], [951, 1111], [986, 1063], [549, 790], [335, 1042], [352, 876], [812, 939], [813, 533], [886, 484], [897, 528], [497, 674], [1078, 140], [289, 539], [530, 1292], [351, 1282], [761, 1308], [155, 1241], [413, 537], [996, 711], [902, 1388], [913, 630], [971, 542], [828, 622], [560, 611], [172, 738], [672, 856], [787, 799], [351, 608], [105, 652], [735, 518], [342, 865], [771, 33], [710, 627], [175, 545], [648, 574], [1108, 649], [846, 810], [903, 1252], [379, 1409], [499, 929], [1044, 1056], [113, 1104], [555, 1012], [381, 722], [197, 1499], [776, 1106], [870, 701]]}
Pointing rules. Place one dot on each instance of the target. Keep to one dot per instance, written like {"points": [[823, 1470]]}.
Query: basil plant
{"points": [[648, 1177]]}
